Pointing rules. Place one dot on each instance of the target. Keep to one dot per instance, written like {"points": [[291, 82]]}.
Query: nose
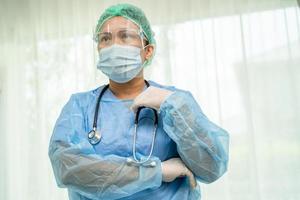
{"points": [[116, 40]]}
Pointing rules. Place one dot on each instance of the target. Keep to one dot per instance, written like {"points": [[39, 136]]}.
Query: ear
{"points": [[149, 51]]}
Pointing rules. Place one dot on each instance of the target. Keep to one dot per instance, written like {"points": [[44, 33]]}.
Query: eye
{"points": [[125, 35], [104, 39], [129, 37]]}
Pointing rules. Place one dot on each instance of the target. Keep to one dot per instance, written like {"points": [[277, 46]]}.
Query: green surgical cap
{"points": [[134, 14]]}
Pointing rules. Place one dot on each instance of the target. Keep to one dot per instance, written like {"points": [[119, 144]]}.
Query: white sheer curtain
{"points": [[241, 60]]}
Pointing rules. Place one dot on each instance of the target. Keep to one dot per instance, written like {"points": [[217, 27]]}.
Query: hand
{"points": [[174, 168], [152, 97]]}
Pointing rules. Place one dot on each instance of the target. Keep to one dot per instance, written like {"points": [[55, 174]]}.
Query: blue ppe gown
{"points": [[101, 171]]}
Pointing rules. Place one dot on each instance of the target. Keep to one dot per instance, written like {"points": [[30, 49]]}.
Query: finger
{"points": [[192, 180], [134, 107]]}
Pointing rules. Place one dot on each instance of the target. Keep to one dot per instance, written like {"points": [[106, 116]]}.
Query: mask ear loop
{"points": [[142, 35]]}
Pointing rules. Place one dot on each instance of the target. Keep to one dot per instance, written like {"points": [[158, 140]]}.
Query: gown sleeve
{"points": [[76, 165], [201, 144]]}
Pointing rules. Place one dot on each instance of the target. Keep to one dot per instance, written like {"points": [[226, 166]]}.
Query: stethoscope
{"points": [[94, 136]]}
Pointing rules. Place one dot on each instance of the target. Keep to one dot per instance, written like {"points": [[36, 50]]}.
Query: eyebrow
{"points": [[107, 33]]}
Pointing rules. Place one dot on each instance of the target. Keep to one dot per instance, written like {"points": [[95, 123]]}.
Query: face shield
{"points": [[122, 36], [120, 44]]}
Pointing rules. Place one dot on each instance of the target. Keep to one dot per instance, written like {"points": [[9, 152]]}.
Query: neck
{"points": [[128, 90]]}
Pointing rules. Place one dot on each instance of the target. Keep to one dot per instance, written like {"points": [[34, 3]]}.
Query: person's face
{"points": [[119, 30]]}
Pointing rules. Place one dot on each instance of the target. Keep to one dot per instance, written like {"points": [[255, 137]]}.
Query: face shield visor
{"points": [[120, 48]]}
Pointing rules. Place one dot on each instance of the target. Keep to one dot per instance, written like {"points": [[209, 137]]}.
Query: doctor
{"points": [[96, 143]]}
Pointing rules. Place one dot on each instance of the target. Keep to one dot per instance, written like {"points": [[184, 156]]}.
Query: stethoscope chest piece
{"points": [[94, 137]]}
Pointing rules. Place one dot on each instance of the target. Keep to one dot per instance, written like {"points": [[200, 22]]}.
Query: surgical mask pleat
{"points": [[120, 63]]}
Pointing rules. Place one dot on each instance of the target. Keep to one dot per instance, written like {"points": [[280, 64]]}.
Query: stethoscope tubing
{"points": [[94, 136]]}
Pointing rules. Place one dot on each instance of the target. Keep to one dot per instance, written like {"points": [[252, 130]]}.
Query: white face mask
{"points": [[120, 63]]}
